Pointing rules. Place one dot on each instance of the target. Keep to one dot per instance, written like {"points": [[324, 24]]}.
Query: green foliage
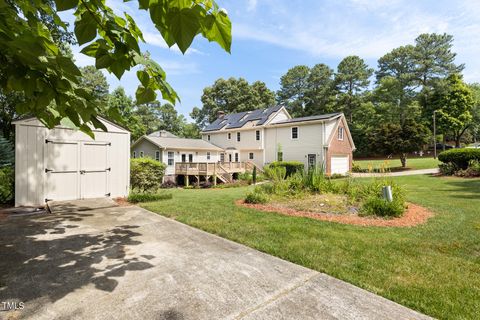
{"points": [[7, 184], [34, 63], [231, 96], [459, 157], [7, 152], [381, 207], [454, 102], [254, 175], [136, 197], [447, 169], [146, 174], [257, 196], [357, 168], [291, 167]]}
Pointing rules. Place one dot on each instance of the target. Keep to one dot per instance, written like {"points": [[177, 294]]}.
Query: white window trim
{"points": [[258, 136], [157, 155], [291, 133], [170, 158], [250, 156], [208, 155], [229, 136], [239, 136], [342, 130]]}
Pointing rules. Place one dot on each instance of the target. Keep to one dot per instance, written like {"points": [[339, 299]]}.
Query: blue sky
{"points": [[269, 37]]}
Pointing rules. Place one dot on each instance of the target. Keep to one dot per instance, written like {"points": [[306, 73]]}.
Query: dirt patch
{"points": [[414, 215]]}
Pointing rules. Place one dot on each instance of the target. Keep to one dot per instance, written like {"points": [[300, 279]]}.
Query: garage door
{"points": [[76, 170], [340, 164]]}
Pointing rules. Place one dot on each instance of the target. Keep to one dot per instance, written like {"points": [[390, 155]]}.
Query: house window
{"points": [[250, 156], [236, 157], [340, 133], [208, 137], [294, 132], [134, 154], [257, 135], [279, 156], [229, 135], [141, 154], [222, 157], [208, 155], [238, 136], [157, 155], [171, 156]]}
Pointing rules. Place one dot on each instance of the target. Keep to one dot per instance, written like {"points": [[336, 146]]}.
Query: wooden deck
{"points": [[221, 170]]}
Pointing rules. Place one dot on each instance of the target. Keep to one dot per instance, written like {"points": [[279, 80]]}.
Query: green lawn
{"points": [[433, 268], [414, 163]]}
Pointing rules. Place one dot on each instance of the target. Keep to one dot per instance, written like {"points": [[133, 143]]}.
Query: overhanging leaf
{"points": [[85, 28]]}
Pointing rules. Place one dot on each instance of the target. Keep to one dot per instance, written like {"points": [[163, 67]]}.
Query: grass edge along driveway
{"points": [[394, 164], [433, 268]]}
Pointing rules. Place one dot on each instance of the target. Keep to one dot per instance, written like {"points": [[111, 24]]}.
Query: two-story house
{"points": [[266, 135]]}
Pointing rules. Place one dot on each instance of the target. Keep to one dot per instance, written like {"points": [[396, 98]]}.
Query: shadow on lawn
{"points": [[468, 188], [43, 256]]}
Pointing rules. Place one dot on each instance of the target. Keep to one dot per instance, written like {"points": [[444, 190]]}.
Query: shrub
{"points": [[168, 184], [447, 169], [459, 157], [357, 168], [473, 170], [146, 174], [135, 197], [246, 176], [257, 196], [7, 152], [254, 175], [7, 184], [291, 167], [374, 205]]}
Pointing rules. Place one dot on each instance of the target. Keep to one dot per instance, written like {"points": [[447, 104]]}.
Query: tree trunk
{"points": [[403, 159], [444, 141], [457, 142]]}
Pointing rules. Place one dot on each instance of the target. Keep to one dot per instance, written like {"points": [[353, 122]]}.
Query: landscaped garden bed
{"points": [[378, 202]]}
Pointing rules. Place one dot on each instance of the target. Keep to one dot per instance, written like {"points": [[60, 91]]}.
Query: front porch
{"points": [[222, 171]]}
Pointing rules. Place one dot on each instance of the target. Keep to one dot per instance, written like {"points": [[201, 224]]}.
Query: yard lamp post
{"points": [[434, 135]]}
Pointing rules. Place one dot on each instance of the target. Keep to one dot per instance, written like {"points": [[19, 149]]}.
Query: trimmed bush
{"points": [[459, 157], [168, 184], [447, 169], [7, 184], [146, 174], [136, 197], [291, 167]]}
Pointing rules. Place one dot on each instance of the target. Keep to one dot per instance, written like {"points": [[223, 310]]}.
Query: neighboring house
{"points": [[170, 149], [265, 136]]}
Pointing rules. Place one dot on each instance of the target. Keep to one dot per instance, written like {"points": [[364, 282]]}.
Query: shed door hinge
{"points": [[107, 195], [48, 170]]}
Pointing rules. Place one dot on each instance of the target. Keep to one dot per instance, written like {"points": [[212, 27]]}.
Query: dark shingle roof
{"points": [[310, 118], [238, 120]]}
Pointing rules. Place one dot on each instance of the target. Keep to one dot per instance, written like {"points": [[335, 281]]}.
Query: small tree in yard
{"points": [[254, 175], [394, 138], [146, 174]]}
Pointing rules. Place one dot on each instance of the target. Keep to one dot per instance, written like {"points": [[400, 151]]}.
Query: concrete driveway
{"points": [[95, 260]]}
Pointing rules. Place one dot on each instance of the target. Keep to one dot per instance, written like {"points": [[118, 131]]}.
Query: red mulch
{"points": [[414, 215], [122, 202]]}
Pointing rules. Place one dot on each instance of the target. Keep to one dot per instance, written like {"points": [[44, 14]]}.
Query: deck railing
{"points": [[208, 168]]}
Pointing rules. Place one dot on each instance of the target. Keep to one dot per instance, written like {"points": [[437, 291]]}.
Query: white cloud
{"points": [[251, 5]]}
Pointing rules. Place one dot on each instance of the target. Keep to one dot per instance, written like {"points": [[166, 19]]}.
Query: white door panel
{"points": [[94, 172], [62, 170], [340, 164]]}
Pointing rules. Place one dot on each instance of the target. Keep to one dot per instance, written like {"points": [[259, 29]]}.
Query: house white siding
{"points": [[309, 141], [65, 164]]}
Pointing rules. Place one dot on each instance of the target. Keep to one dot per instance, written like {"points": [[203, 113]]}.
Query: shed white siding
{"points": [[65, 164]]}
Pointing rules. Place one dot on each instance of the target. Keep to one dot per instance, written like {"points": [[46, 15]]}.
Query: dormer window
{"points": [[340, 133]]}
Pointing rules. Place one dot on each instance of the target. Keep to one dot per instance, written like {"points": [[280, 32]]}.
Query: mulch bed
{"points": [[414, 215], [122, 202]]}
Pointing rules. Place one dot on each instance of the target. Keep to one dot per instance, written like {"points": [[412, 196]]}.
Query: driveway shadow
{"points": [[50, 256]]}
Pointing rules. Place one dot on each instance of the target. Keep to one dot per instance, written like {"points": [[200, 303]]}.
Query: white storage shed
{"points": [[66, 164]]}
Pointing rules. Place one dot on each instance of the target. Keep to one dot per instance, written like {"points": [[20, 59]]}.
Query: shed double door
{"points": [[76, 170]]}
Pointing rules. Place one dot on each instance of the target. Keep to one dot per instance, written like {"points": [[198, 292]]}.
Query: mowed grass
{"points": [[395, 164], [433, 268]]}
